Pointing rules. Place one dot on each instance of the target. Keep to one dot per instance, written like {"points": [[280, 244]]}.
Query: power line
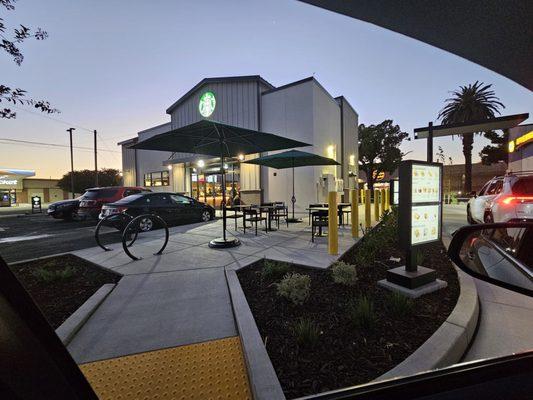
{"points": [[52, 118], [52, 144]]}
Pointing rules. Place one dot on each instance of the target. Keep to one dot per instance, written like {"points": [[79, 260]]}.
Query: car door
{"points": [[485, 196], [161, 205], [182, 208]]}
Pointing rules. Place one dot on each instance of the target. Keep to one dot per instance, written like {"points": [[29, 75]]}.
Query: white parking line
{"points": [[22, 238]]}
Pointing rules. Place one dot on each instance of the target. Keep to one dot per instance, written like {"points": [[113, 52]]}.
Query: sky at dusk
{"points": [[115, 66]]}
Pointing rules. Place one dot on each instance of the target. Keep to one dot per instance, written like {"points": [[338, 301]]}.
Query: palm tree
{"points": [[470, 103]]}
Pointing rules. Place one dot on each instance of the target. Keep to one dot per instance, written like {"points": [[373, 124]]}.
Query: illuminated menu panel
{"points": [[425, 224], [425, 183]]}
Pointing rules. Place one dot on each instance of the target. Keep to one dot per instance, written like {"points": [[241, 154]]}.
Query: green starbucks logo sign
{"points": [[207, 104]]}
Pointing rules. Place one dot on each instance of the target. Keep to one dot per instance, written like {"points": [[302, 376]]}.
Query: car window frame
{"points": [[188, 200]]}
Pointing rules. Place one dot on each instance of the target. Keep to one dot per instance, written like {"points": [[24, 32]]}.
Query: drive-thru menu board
{"points": [[426, 183], [424, 224], [420, 202]]}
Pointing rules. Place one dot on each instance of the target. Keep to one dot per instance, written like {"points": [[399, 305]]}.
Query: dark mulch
{"points": [[59, 298], [345, 355]]}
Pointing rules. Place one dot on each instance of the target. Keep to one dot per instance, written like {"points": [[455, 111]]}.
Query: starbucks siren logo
{"points": [[207, 104]]}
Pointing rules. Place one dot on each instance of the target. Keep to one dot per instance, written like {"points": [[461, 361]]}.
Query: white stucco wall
{"points": [[304, 112]]}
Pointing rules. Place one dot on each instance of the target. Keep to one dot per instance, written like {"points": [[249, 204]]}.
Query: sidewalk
{"points": [[181, 297]]}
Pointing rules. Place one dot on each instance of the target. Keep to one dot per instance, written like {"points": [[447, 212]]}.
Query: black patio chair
{"points": [[236, 214], [281, 211], [252, 215], [319, 219], [314, 205]]}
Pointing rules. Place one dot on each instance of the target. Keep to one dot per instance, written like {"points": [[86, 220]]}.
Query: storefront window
{"points": [[160, 178]]}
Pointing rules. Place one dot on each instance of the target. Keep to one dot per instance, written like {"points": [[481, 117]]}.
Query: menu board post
{"points": [[419, 224]]}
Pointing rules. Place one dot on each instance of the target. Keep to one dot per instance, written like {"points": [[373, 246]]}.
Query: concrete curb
{"points": [[263, 379], [72, 325], [449, 343]]}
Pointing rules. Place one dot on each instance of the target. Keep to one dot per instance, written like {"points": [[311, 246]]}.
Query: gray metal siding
{"points": [[128, 167], [236, 104]]}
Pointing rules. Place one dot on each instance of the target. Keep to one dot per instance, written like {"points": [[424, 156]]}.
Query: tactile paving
{"points": [[208, 370]]}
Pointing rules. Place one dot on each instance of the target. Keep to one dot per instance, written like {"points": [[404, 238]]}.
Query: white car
{"points": [[502, 199]]}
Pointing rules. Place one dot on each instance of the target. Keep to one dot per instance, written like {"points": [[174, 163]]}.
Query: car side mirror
{"points": [[472, 194], [500, 254]]}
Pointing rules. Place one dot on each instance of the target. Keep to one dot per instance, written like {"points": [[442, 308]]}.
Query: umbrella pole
{"points": [[293, 199], [223, 242]]}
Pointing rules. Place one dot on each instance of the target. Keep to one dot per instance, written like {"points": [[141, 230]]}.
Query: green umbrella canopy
{"points": [[292, 158], [219, 140], [216, 139]]}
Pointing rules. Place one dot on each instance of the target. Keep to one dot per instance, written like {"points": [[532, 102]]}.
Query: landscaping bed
{"points": [[347, 332], [60, 285]]}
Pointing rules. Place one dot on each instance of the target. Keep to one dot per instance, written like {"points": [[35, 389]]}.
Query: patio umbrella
{"points": [[219, 140], [292, 159]]}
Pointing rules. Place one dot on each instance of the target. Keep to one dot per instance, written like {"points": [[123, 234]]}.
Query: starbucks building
{"points": [[302, 110]]}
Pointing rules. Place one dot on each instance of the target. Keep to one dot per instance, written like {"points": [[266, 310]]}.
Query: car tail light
{"points": [[508, 200]]}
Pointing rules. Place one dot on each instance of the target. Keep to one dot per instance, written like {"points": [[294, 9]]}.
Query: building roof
{"points": [[128, 141], [224, 79]]}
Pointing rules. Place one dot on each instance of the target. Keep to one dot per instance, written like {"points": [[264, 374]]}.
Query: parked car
{"points": [[95, 198], [64, 209], [502, 199], [173, 208]]}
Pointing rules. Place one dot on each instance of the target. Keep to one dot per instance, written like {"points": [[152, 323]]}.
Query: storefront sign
{"points": [[520, 141], [207, 104], [420, 203]]}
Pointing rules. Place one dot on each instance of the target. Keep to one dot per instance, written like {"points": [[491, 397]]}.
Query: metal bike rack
{"points": [[132, 223], [102, 222]]}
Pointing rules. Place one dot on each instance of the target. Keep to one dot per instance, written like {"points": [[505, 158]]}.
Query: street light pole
{"points": [[95, 162], [69, 130]]}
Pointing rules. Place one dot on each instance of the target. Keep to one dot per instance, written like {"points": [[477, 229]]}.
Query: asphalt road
{"points": [[453, 217], [32, 236]]}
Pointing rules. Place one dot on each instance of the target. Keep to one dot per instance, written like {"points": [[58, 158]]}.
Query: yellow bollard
{"points": [[368, 220], [355, 212], [362, 196], [383, 202], [376, 204], [333, 233], [387, 199]]}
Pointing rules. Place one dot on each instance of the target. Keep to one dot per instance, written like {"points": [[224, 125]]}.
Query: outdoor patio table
{"points": [[269, 210], [340, 208]]}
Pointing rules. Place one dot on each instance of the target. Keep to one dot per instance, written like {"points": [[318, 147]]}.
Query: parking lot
{"points": [[24, 237]]}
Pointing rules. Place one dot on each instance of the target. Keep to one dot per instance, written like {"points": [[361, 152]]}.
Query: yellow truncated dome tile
{"points": [[208, 370]]}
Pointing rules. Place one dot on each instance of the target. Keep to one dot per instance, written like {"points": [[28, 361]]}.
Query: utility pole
{"points": [[69, 130], [95, 162]]}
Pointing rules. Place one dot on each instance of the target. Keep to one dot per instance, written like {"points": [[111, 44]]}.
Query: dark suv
{"points": [[95, 198]]}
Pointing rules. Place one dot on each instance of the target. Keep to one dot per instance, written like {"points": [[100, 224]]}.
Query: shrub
{"points": [[361, 313], [398, 304], [307, 332], [50, 275], [295, 287], [344, 273], [273, 270]]}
